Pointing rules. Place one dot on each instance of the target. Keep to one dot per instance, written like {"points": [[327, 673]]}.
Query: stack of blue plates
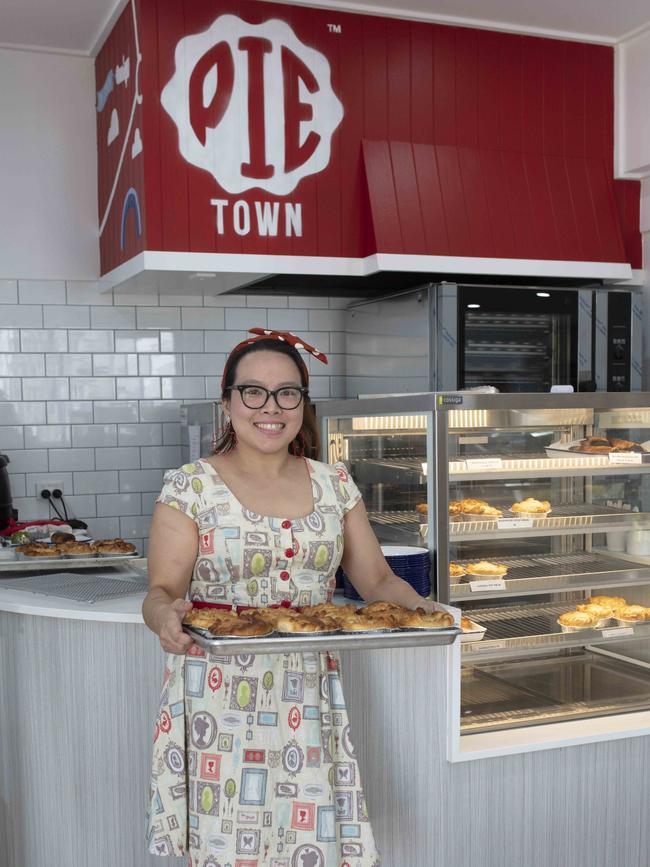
{"points": [[411, 564]]}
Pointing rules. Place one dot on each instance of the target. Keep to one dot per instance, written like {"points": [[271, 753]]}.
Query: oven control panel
{"points": [[619, 334]]}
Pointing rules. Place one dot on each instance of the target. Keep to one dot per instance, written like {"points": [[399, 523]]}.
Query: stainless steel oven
{"points": [[446, 336]]}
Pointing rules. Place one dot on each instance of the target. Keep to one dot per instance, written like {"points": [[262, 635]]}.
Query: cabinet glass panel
{"points": [[387, 456]]}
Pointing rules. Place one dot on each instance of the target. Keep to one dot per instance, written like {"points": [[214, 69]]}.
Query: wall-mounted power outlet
{"points": [[48, 483]]}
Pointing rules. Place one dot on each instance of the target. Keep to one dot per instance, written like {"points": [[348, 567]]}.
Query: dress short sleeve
{"points": [[181, 488], [348, 493]]}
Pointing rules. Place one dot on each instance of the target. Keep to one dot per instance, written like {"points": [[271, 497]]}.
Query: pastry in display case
{"points": [[536, 512]]}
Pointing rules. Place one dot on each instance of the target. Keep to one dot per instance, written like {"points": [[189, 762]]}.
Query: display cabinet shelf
{"points": [[562, 521], [555, 573], [532, 467], [533, 629]]}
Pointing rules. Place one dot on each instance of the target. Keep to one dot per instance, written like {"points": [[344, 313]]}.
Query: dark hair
{"points": [[307, 440]]}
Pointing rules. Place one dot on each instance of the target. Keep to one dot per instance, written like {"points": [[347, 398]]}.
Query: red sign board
{"points": [[239, 128]]}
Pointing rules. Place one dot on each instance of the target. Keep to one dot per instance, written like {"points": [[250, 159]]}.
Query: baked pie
{"points": [[531, 506], [303, 624], [420, 619], [38, 549], [366, 624], [113, 546], [456, 570], [471, 506], [487, 568], [632, 613], [491, 512], [455, 507], [599, 611], [422, 508], [577, 619], [204, 618], [77, 549], [241, 627], [612, 602]]}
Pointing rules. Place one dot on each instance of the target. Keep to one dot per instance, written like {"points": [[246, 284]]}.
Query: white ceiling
{"points": [[78, 26]]}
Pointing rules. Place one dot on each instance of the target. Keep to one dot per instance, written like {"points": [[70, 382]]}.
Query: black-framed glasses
{"points": [[256, 396]]}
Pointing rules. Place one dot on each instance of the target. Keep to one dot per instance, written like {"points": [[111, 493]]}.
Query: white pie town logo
{"points": [[253, 105]]}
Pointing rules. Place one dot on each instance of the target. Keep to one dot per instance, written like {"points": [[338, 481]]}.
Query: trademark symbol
{"points": [[334, 28]]}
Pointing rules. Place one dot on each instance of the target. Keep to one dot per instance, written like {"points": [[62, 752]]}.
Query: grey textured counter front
{"points": [[77, 705]]}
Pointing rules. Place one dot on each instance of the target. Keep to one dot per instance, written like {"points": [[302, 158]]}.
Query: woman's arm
{"points": [[367, 569], [173, 547]]}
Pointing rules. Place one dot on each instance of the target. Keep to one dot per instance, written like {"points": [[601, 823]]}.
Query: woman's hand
{"points": [[172, 637]]}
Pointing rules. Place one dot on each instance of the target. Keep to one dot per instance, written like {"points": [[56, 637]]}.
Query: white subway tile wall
{"points": [[91, 386]]}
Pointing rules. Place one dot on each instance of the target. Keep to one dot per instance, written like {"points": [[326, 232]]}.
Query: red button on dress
{"points": [[286, 525], [288, 552], [284, 576]]}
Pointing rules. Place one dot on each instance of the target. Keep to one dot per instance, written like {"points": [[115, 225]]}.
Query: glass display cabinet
{"points": [[532, 506]]}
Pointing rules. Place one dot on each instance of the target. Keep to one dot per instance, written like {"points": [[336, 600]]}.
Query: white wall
{"points": [[633, 106], [91, 386], [48, 166]]}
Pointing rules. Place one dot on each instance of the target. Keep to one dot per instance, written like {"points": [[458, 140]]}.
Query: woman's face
{"points": [[269, 429]]}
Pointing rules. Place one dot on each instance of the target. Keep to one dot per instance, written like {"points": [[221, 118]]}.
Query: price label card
{"points": [[487, 586], [484, 464], [618, 631], [514, 523], [486, 645], [625, 458]]}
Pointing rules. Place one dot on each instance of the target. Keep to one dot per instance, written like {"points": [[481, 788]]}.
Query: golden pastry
{"points": [[302, 624], [531, 506], [456, 570], [612, 602], [76, 548], [581, 619], [203, 618], [491, 512], [470, 506], [38, 549], [486, 567], [422, 508], [379, 608], [419, 619], [242, 627], [599, 611], [113, 546], [365, 624], [455, 507], [632, 612], [467, 625]]}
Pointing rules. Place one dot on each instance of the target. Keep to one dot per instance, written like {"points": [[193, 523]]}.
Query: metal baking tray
{"points": [[36, 565], [321, 643], [98, 586]]}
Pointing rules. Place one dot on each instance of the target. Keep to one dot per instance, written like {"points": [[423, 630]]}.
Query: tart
{"points": [[113, 546], [599, 611], [241, 628], [633, 613], [531, 506], [470, 506], [366, 624], [612, 602], [38, 549], [456, 570], [77, 549], [487, 569], [577, 620], [491, 512], [204, 618], [302, 624], [419, 619]]}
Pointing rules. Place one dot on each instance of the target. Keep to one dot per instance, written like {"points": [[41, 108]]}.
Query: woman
{"points": [[253, 762]]}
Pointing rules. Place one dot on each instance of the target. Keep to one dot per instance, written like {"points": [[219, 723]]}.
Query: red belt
{"points": [[238, 608]]}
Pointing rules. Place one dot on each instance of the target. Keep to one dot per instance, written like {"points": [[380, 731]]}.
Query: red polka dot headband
{"points": [[283, 337]]}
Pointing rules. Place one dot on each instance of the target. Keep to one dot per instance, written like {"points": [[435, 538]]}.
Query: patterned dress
{"points": [[253, 762]]}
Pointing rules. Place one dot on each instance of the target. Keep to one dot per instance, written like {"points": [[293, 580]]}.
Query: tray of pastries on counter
{"points": [[599, 612], [471, 631], [210, 627], [598, 445], [70, 548]]}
